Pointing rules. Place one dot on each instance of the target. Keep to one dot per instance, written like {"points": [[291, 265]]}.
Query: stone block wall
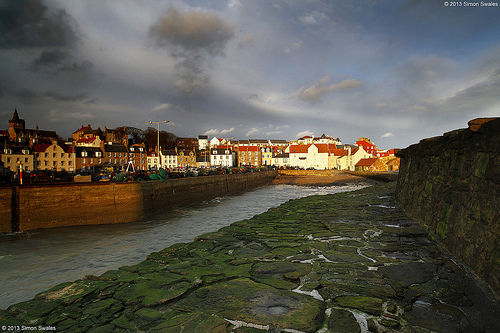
{"points": [[452, 185], [5, 209], [105, 203]]}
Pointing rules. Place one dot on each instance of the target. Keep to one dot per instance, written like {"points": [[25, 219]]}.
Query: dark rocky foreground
{"points": [[350, 262]]}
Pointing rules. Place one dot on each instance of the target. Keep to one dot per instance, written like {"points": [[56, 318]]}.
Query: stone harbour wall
{"points": [[31, 207], [452, 185]]}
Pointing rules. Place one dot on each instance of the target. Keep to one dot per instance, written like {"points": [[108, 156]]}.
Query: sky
{"points": [[393, 71]]}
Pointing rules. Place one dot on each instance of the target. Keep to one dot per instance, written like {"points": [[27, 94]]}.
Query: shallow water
{"points": [[36, 260]]}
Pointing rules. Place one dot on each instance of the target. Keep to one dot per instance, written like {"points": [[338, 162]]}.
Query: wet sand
{"points": [[332, 178]]}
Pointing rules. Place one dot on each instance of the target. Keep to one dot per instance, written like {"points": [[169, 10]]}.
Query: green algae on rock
{"points": [[335, 263]]}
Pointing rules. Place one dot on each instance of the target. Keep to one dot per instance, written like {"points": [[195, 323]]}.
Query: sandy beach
{"points": [[315, 178]]}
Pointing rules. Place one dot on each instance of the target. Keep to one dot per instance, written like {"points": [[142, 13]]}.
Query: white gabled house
{"points": [[222, 157], [348, 160]]}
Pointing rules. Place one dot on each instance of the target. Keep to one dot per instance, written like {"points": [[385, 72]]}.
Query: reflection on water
{"points": [[36, 260]]}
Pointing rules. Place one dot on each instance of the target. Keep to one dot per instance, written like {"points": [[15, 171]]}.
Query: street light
{"points": [[158, 143], [227, 149]]}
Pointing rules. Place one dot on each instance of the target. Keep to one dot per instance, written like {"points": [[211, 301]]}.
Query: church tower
{"points": [[14, 124]]}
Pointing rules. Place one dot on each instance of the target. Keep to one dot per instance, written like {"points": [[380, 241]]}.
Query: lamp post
{"points": [[158, 142], [227, 148]]}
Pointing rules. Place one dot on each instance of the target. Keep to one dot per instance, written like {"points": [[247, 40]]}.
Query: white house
{"points": [[169, 159], [310, 156], [202, 142], [353, 156], [281, 160], [214, 142], [222, 157]]}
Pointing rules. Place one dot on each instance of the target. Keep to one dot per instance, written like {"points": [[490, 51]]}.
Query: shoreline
{"points": [[320, 262], [330, 177]]}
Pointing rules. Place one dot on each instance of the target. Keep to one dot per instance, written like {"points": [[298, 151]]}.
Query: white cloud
{"points": [[272, 133], [161, 107], [227, 131], [212, 132], [314, 18], [252, 131], [58, 117], [387, 135], [304, 133], [322, 87], [282, 127]]}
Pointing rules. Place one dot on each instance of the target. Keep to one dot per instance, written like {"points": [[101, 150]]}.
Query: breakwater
{"points": [[451, 184], [346, 262], [31, 207]]}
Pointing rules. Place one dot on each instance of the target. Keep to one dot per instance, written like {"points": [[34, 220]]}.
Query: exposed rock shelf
{"points": [[349, 262]]}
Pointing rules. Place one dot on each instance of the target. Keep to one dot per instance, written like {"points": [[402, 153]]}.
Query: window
{"points": [[46, 155], [46, 163], [26, 160], [84, 153], [54, 155], [62, 163], [83, 161]]}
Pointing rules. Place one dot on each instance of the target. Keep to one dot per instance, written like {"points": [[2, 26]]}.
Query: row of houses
{"points": [[110, 150]]}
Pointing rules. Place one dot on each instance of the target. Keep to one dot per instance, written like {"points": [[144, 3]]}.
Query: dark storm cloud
{"points": [[57, 61], [26, 96], [49, 58], [66, 97], [194, 37], [193, 31], [28, 24]]}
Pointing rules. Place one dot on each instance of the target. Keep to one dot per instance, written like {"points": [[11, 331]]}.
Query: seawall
{"points": [[452, 185], [31, 207]]}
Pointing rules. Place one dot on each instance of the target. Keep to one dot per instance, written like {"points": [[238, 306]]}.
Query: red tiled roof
{"points": [[41, 147], [299, 149], [83, 128], [366, 161], [86, 140], [249, 148], [338, 152]]}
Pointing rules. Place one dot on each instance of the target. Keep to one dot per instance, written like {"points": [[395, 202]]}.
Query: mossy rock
{"points": [[182, 322], [123, 322], [102, 310], [150, 293], [148, 314], [144, 267], [248, 301], [35, 308], [120, 276], [341, 321], [371, 305], [281, 275], [70, 292]]}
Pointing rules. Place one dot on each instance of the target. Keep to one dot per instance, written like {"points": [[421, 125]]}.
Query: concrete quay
{"points": [[349, 262]]}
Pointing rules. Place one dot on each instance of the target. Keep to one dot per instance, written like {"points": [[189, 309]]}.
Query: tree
{"points": [[150, 137]]}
